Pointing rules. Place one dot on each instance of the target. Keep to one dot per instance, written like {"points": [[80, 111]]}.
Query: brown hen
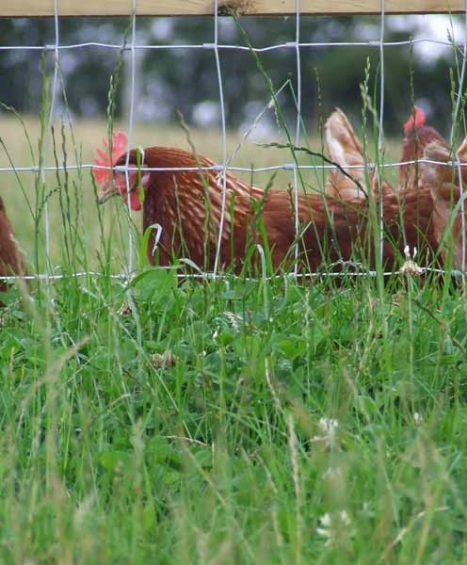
{"points": [[184, 208]]}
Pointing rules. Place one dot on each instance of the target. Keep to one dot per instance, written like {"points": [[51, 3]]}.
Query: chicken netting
{"points": [[46, 171]]}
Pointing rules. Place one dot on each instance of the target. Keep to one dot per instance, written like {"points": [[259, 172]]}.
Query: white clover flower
{"points": [[325, 526], [331, 525], [234, 319], [345, 518], [407, 253], [328, 428], [328, 425], [410, 266], [326, 520], [418, 418], [333, 473]]}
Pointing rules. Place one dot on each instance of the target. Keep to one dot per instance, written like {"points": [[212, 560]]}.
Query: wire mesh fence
{"points": [[131, 46]]}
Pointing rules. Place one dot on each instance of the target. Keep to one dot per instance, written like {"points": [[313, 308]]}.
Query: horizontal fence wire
{"points": [[216, 47], [209, 275], [376, 44], [219, 168]]}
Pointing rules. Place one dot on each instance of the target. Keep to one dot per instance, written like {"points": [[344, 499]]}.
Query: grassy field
{"points": [[231, 421]]}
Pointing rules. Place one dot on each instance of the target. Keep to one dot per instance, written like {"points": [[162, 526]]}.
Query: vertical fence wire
{"points": [[131, 118], [381, 130], [297, 129], [224, 136], [461, 80], [46, 142], [455, 119]]}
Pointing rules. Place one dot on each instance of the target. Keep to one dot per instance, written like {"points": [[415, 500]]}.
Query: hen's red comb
{"points": [[104, 159], [416, 120]]}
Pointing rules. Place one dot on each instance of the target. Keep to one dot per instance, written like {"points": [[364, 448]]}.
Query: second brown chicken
{"points": [[407, 212]]}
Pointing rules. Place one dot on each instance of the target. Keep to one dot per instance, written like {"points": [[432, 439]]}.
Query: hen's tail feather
{"points": [[343, 144], [344, 148]]}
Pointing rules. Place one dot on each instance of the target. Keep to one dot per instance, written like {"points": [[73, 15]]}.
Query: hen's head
{"points": [[113, 182], [416, 120]]}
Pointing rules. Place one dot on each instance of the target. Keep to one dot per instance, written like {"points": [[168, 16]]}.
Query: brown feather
{"points": [[11, 259], [346, 150], [443, 183], [415, 142], [187, 205]]}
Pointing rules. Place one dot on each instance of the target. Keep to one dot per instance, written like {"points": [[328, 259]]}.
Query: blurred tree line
{"points": [[186, 79]]}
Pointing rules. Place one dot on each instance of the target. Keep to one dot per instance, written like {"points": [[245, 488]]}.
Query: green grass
{"points": [[229, 421], [199, 428]]}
